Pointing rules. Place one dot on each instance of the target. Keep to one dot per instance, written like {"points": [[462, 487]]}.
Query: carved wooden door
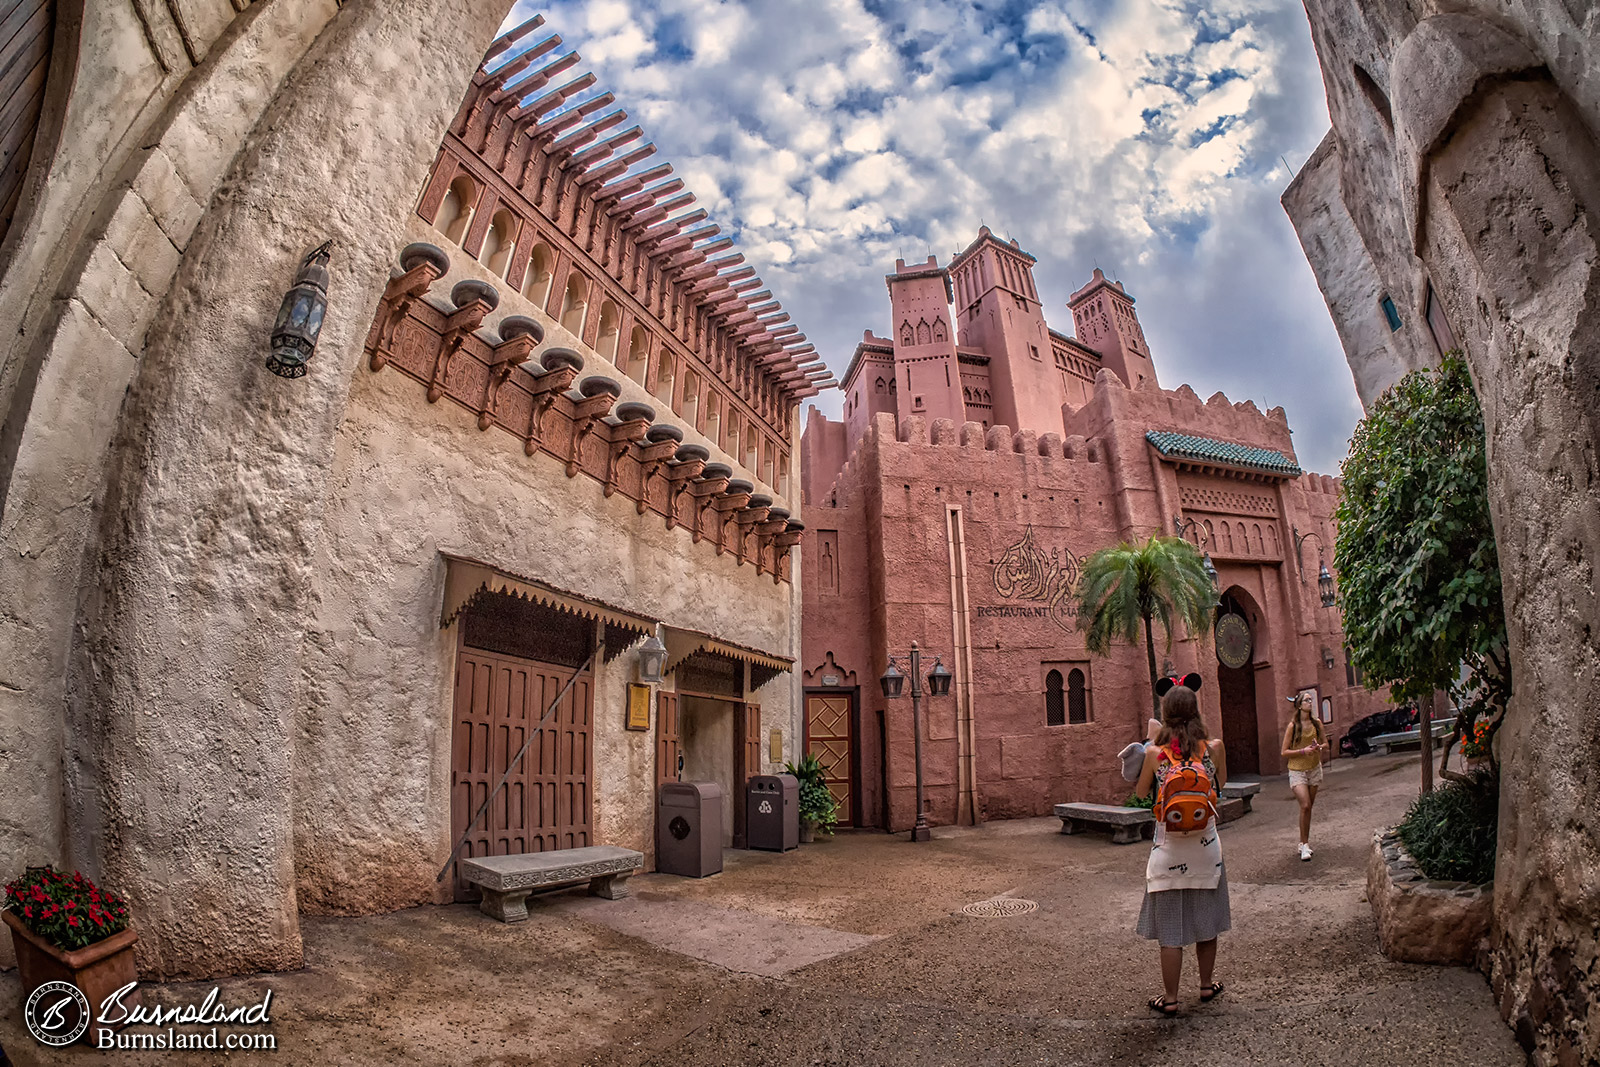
{"points": [[828, 739], [546, 801], [667, 738]]}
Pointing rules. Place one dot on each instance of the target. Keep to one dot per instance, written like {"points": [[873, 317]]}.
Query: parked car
{"points": [[1357, 740]]}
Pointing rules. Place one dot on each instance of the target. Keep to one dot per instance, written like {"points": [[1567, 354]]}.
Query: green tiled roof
{"points": [[1210, 450]]}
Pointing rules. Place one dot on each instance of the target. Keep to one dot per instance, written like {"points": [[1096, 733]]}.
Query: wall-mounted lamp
{"points": [[1327, 657], [652, 659], [294, 334], [1324, 579], [1183, 525]]}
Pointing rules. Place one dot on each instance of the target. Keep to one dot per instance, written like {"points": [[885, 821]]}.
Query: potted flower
{"points": [[67, 929], [817, 808]]}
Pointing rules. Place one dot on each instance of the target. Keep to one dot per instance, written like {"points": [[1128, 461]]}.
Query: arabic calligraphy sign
{"points": [[1024, 572]]}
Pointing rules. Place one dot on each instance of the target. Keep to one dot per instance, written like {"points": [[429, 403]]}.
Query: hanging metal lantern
{"points": [[1210, 568], [1325, 587], [652, 659], [294, 334], [939, 679], [892, 680]]}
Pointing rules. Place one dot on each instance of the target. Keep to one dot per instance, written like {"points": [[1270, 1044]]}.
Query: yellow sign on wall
{"points": [[638, 706]]}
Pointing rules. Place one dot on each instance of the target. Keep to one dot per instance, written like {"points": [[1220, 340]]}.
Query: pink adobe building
{"points": [[982, 456]]}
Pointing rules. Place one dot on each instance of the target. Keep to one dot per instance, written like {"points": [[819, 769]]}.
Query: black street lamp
{"points": [[1182, 525], [1324, 578], [893, 682]]}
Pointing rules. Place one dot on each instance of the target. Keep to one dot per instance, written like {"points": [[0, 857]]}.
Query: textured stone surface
{"points": [[1423, 921], [1483, 181], [550, 868]]}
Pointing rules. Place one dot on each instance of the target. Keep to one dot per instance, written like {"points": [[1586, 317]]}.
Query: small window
{"points": [[1054, 705], [1077, 696], [1033, 350], [1391, 313], [1327, 709]]}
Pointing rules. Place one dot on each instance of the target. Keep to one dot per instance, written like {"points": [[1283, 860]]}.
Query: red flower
{"points": [[72, 903], [72, 920], [27, 913]]}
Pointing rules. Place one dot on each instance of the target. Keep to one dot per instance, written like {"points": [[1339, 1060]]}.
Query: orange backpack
{"points": [[1186, 800]]}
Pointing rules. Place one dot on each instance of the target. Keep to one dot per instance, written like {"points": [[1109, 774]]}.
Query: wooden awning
{"points": [[468, 579], [681, 644]]}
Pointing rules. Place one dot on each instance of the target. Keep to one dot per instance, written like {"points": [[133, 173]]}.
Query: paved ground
{"points": [[851, 952]]}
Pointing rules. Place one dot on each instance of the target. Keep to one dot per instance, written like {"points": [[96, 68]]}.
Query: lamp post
{"points": [[893, 682], [1324, 579], [1182, 525]]}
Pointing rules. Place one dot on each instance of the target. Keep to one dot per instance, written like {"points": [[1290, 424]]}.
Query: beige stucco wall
{"points": [[412, 480]]}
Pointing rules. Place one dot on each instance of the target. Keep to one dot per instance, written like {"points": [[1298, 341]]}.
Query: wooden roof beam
{"points": [[606, 171], [503, 43], [502, 77], [556, 97], [540, 78], [721, 281], [645, 198], [596, 153]]}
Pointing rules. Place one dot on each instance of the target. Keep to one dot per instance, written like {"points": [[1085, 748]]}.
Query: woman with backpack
{"points": [[1186, 887], [1303, 743]]}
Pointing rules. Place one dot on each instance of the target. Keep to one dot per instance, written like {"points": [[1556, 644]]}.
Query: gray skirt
{"points": [[1179, 917]]}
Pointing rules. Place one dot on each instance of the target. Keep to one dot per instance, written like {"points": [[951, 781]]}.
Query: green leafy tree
{"points": [[1131, 585], [1418, 572]]}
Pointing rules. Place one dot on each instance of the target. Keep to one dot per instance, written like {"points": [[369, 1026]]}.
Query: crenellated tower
{"points": [[999, 313], [1103, 319], [927, 376]]}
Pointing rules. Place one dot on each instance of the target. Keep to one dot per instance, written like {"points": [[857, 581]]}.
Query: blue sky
{"points": [[1146, 137]]}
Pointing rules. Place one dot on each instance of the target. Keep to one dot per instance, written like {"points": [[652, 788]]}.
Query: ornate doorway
{"points": [[500, 696], [1236, 686], [829, 737]]}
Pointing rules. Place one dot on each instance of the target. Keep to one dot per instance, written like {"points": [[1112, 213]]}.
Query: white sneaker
{"points": [[1305, 851]]}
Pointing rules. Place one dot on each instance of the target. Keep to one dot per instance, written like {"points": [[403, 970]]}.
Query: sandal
{"points": [[1163, 1006], [1211, 992]]}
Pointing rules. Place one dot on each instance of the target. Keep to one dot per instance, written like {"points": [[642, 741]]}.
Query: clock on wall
{"points": [[1233, 641]]}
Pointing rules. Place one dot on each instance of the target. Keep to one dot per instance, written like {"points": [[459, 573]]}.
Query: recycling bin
{"points": [[689, 829], [772, 812]]}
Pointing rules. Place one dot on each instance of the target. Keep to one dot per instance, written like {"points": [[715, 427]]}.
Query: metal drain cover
{"points": [[999, 908]]}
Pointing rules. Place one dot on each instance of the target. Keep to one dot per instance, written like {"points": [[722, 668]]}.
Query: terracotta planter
{"points": [[99, 969], [808, 833]]}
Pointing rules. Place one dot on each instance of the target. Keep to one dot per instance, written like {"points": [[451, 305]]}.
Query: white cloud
{"points": [[1140, 135]]}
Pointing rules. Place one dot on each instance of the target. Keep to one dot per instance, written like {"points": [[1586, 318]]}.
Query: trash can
{"points": [[772, 812], [689, 829]]}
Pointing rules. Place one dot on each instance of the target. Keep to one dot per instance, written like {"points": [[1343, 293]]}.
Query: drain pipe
{"points": [[961, 653]]}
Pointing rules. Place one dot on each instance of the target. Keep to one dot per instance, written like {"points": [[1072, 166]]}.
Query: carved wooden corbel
{"points": [[399, 295], [586, 414], [705, 497], [547, 388], [680, 476], [509, 355], [457, 328], [623, 435], [652, 458], [748, 519], [725, 506]]}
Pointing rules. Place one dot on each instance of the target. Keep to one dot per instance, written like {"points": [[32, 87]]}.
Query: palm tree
{"points": [[1120, 587]]}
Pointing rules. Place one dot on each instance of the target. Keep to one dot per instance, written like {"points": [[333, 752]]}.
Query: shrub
{"points": [[67, 912], [816, 802], [1136, 801], [1450, 832]]}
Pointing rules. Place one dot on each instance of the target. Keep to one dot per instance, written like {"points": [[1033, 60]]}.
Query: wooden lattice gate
{"points": [[828, 738]]}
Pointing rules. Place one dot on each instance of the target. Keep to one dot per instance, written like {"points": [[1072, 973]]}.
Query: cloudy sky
{"points": [[1148, 137]]}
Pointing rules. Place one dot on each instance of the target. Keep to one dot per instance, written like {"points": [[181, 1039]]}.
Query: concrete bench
{"points": [[1127, 825], [506, 881], [1410, 737], [1231, 808], [1243, 790]]}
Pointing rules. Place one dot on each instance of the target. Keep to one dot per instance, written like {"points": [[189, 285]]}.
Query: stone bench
{"points": [[506, 881], [1245, 791], [1413, 736], [1127, 825]]}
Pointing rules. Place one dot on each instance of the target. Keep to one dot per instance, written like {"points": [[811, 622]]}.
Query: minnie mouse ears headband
{"points": [[1188, 681]]}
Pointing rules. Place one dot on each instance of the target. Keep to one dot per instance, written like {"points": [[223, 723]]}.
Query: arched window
{"points": [[455, 214], [752, 442], [666, 372], [690, 406], [638, 354], [713, 428], [1077, 696], [574, 305], [537, 285], [731, 445], [1054, 706], [610, 327], [879, 387], [499, 243], [769, 471]]}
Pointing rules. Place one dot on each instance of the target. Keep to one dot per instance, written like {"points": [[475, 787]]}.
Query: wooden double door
{"points": [[547, 801]]}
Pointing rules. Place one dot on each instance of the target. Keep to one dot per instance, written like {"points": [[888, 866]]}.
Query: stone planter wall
{"points": [[1420, 920]]}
